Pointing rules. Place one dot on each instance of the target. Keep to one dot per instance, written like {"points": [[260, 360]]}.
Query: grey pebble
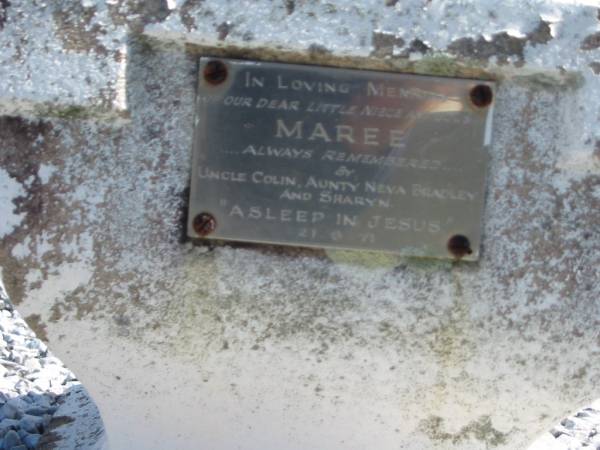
{"points": [[10, 411], [18, 402], [31, 424], [37, 411], [9, 424], [11, 439], [46, 418], [22, 433], [32, 440], [42, 401]]}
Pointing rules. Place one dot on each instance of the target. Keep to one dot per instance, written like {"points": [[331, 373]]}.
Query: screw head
{"points": [[459, 246], [481, 95], [215, 72], [204, 224]]}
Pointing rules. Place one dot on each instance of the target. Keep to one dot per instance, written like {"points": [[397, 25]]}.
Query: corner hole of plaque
{"points": [[459, 246], [215, 72], [204, 224], [481, 95]]}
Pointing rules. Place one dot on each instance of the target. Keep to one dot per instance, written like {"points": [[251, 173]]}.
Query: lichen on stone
{"points": [[480, 430], [591, 42]]}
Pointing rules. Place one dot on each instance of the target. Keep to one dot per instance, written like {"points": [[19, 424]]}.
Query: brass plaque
{"points": [[353, 159]]}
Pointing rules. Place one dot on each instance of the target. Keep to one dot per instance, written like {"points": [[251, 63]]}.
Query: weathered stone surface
{"points": [[384, 44], [75, 424], [60, 58], [591, 42], [502, 46], [285, 347], [483, 39], [68, 58]]}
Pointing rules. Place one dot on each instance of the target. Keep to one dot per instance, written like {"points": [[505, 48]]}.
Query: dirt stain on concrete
{"points": [[480, 429]]}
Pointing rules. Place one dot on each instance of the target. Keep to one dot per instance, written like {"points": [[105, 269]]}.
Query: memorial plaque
{"points": [[354, 159]]}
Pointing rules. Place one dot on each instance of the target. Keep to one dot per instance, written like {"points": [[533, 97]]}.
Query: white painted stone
{"points": [[56, 60], [10, 189]]}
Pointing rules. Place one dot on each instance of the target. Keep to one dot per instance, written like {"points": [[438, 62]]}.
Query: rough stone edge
{"points": [[109, 103], [75, 417], [433, 63], [576, 428], [75, 424], [33, 110]]}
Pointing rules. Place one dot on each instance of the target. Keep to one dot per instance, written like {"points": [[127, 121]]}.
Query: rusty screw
{"points": [[215, 72], [459, 246], [204, 224], [481, 95]]}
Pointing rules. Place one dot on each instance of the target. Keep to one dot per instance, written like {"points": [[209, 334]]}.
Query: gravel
{"points": [[33, 386], [580, 431]]}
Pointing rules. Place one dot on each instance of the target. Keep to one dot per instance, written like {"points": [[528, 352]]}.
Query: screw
{"points": [[481, 95], [204, 224], [459, 246], [215, 72]]}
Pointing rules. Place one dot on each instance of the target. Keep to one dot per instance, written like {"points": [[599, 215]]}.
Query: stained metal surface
{"points": [[322, 157]]}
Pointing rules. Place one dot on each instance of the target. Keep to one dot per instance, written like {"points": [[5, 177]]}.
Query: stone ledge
{"points": [[482, 32], [61, 59]]}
